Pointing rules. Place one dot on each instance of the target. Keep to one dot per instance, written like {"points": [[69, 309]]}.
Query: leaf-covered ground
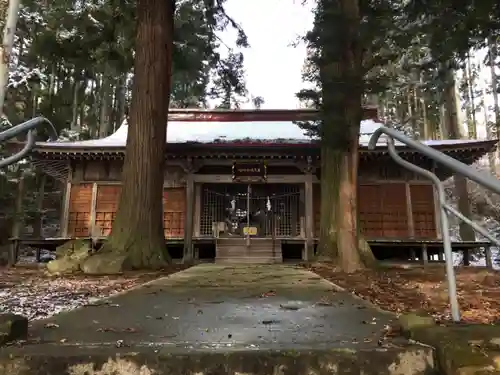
{"points": [[400, 290], [27, 291]]}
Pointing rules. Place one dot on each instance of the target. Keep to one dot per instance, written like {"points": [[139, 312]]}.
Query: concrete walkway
{"points": [[218, 309], [225, 307]]}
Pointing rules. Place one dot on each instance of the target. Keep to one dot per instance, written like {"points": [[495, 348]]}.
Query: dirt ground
{"points": [[28, 291], [401, 290]]}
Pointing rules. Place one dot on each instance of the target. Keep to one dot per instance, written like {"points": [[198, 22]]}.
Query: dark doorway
{"points": [[271, 210]]}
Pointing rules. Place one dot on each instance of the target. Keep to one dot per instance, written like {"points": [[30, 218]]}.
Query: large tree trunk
{"points": [[105, 125], [471, 126], [121, 100], [137, 235], [452, 130], [492, 52], [342, 89], [75, 104]]}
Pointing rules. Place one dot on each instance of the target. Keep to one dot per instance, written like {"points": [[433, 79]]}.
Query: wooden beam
{"points": [[409, 210], [437, 214], [425, 255], [229, 162], [188, 220], [309, 217], [271, 179], [197, 211], [489, 262], [242, 115], [302, 211], [374, 181], [94, 231], [63, 232]]}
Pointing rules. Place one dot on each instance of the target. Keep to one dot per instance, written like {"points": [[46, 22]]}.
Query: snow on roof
{"points": [[223, 131]]}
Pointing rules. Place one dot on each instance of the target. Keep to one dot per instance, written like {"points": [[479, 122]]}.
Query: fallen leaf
{"points": [[29, 292], [107, 329], [270, 293], [413, 288]]}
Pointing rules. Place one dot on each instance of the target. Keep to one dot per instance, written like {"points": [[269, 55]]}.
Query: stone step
{"points": [[249, 254], [244, 250], [248, 260], [260, 251], [244, 256], [243, 242], [219, 358]]}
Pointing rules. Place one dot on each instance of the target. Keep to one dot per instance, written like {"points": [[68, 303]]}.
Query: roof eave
{"points": [[479, 148]]}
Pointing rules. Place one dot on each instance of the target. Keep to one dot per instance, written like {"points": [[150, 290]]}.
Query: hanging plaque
{"points": [[249, 171]]}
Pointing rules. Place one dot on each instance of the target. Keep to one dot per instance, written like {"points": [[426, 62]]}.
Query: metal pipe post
{"points": [[249, 190], [450, 271]]}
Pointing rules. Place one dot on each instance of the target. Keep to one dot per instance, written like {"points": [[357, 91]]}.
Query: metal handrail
{"points": [[483, 179], [29, 126]]}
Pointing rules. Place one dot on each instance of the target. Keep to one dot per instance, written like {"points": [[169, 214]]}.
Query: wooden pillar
{"points": [[302, 204], [40, 198], [13, 253], [188, 219], [437, 214], [197, 218], [18, 221], [425, 255], [409, 211], [309, 217], [489, 262], [94, 231], [63, 232], [413, 256], [197, 211], [437, 208]]}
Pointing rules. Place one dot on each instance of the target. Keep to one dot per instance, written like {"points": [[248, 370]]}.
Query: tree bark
{"points": [[40, 198], [106, 104], [472, 127], [120, 101], [452, 126], [137, 231], [19, 217], [492, 52], [341, 79], [489, 131], [75, 104]]}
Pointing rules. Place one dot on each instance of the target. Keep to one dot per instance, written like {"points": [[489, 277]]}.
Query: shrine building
{"points": [[243, 186]]}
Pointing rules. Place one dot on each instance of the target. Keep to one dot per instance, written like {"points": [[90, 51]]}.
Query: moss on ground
{"points": [[460, 349], [12, 327]]}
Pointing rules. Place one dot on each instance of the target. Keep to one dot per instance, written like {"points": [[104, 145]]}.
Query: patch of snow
{"points": [[22, 75], [91, 18], [213, 132], [68, 135]]}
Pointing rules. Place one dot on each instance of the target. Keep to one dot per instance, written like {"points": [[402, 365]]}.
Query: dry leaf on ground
{"points": [[28, 292], [402, 290]]}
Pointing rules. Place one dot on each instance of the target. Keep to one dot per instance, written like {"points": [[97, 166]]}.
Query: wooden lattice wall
{"points": [[106, 206], [174, 208], [383, 210], [422, 203], [80, 202], [79, 218]]}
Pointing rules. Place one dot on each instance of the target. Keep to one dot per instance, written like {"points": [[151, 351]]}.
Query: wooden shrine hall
{"points": [[243, 186]]}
